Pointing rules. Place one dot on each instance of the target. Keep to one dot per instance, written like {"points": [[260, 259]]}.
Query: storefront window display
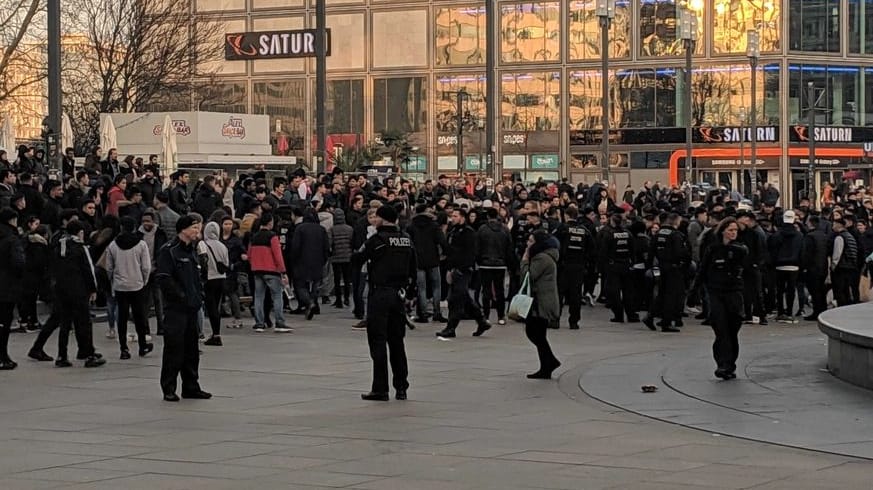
{"points": [[285, 103], [530, 101], [843, 94], [459, 34], [584, 35], [659, 29], [734, 18], [530, 31], [814, 25]]}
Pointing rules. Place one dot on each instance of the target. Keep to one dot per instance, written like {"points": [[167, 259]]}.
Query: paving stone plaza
{"points": [[286, 414]]}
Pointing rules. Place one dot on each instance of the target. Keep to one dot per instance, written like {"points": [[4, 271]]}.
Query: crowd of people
{"points": [[98, 235]]}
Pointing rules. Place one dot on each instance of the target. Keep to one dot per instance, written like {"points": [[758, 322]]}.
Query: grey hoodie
{"points": [[214, 250], [128, 263]]}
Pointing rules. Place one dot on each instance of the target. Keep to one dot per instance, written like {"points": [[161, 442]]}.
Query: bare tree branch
{"points": [[16, 20]]}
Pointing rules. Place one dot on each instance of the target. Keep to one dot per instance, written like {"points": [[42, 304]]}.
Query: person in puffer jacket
{"points": [[785, 247], [341, 258]]}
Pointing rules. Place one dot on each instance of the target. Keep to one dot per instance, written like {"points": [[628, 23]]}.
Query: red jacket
{"points": [[265, 254]]}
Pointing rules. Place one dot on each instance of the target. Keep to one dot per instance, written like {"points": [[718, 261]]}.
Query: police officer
{"points": [[673, 252], [576, 246], [617, 250], [178, 275], [721, 269], [392, 268]]}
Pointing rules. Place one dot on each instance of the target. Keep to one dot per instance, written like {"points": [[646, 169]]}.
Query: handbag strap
{"points": [[525, 285], [213, 255]]}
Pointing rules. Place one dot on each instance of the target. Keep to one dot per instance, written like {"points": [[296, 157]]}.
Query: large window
{"points": [[530, 31], [344, 106], [720, 91], [842, 94], [530, 102], [645, 98], [447, 88], [412, 36], [861, 26], [225, 97], [659, 29], [459, 35], [814, 25], [734, 18], [285, 103], [585, 31], [400, 104], [585, 97]]}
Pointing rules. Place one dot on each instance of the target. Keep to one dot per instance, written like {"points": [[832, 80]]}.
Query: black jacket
{"points": [[494, 246], [428, 239], [179, 200], [785, 246], [36, 269], [814, 252], [73, 273], [461, 253], [34, 200], [149, 189], [755, 241], [206, 202], [12, 262], [178, 275], [721, 268]]}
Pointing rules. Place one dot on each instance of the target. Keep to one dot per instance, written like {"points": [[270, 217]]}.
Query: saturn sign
{"points": [[273, 45]]}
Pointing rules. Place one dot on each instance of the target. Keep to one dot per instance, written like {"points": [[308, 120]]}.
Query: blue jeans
{"points": [[422, 278], [274, 284]]}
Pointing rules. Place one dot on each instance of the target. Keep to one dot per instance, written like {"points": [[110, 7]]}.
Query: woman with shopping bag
{"points": [[539, 266]]}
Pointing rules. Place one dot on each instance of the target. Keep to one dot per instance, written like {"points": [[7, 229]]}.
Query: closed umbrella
{"points": [[66, 133], [108, 138], [168, 145], [7, 136]]}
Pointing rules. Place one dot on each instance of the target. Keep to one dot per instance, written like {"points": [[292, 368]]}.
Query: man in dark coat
{"points": [[179, 195], [207, 199], [12, 263], [814, 265], [310, 249], [428, 240], [32, 197]]}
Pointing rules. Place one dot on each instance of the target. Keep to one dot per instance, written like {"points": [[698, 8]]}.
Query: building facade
{"points": [[397, 65]]}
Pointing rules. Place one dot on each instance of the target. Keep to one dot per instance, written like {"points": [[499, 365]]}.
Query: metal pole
{"points": [[460, 118], [742, 161], [321, 85], [689, 176], [491, 80], [55, 108], [604, 81], [810, 133], [753, 51]]}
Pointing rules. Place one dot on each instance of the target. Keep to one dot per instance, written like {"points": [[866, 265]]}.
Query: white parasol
{"points": [[66, 133], [108, 138], [168, 145], [7, 137]]}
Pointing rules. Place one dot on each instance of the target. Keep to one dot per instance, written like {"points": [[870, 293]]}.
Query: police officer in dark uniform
{"points": [[617, 250], [576, 246], [721, 269], [673, 252], [392, 268], [178, 275]]}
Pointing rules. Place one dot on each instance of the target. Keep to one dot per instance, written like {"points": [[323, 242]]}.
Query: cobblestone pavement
{"points": [[286, 414]]}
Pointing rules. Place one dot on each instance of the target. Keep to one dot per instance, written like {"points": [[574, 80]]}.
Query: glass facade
{"points": [[400, 65]]}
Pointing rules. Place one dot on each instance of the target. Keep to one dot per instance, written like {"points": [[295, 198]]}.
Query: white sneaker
{"points": [[148, 338], [283, 330], [110, 333], [131, 337], [501, 321]]}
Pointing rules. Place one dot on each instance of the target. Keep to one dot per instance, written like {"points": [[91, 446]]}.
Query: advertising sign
{"points": [[540, 162], [273, 44]]}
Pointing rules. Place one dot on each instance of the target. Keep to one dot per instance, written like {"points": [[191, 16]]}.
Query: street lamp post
{"points": [[53, 19], [688, 33], [605, 9], [753, 50], [810, 134], [461, 94], [743, 148]]}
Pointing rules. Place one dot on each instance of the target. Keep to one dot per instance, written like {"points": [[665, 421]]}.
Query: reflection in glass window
{"points": [[650, 159], [733, 18], [285, 103], [530, 102], [585, 31], [861, 26], [720, 91], [585, 97], [645, 98], [226, 97], [659, 29], [843, 94], [460, 35], [530, 32], [814, 25], [400, 104], [344, 106], [447, 87]]}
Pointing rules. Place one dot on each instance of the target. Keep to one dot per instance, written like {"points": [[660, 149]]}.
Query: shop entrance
{"points": [[720, 178]]}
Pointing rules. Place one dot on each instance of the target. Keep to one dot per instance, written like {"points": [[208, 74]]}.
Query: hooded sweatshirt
{"points": [[128, 263], [214, 249]]}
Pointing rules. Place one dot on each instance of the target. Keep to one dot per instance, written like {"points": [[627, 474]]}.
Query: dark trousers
{"points": [[726, 316], [358, 285], [156, 301], [786, 290], [213, 290], [27, 309], [136, 301], [50, 325], [753, 303], [342, 281], [619, 291], [841, 280], [74, 313], [7, 309], [815, 283], [386, 327], [671, 294], [571, 278], [768, 289], [181, 351], [307, 292], [536, 330], [461, 305], [493, 291]]}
